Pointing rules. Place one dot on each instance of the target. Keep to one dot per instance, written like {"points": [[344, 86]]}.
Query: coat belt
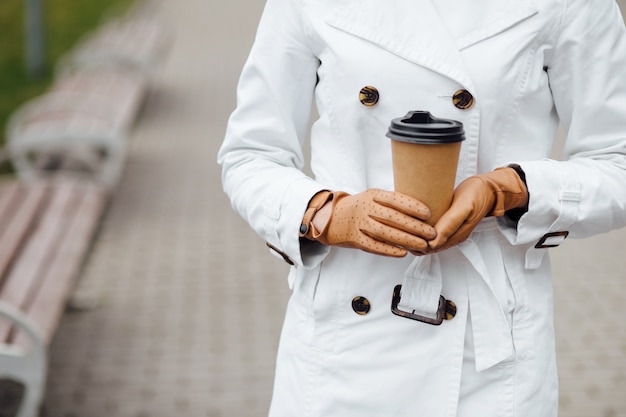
{"points": [[421, 290]]}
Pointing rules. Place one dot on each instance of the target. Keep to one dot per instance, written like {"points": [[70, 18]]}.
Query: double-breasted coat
{"points": [[510, 71]]}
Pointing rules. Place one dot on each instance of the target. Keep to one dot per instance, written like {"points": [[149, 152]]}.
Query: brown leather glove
{"points": [[377, 221], [477, 197]]}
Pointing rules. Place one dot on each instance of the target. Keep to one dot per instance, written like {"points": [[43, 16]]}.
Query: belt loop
{"points": [[421, 286]]}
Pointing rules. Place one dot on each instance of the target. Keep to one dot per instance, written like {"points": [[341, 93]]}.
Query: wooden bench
{"points": [[121, 90], [45, 233], [133, 43], [80, 124]]}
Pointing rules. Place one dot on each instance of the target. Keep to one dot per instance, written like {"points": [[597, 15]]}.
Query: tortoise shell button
{"points": [[368, 96], [361, 305], [463, 99], [450, 310]]}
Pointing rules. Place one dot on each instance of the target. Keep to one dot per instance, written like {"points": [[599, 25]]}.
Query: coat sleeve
{"points": [[586, 193], [261, 156]]}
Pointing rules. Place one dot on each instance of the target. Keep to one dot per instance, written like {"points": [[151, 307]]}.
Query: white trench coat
{"points": [[510, 71]]}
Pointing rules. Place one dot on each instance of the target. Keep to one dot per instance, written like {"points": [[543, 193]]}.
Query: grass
{"points": [[65, 21]]}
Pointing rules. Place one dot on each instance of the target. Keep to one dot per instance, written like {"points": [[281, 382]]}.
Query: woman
{"points": [[510, 72]]}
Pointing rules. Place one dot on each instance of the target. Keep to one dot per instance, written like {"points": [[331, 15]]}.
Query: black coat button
{"points": [[368, 96], [463, 99], [361, 305]]}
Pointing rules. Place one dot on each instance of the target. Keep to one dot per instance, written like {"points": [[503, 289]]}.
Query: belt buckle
{"points": [[445, 311], [542, 242]]}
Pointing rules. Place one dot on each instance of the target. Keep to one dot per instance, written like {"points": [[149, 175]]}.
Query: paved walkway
{"points": [[186, 302]]}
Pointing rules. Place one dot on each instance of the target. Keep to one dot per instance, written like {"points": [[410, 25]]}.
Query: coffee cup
{"points": [[425, 152]]}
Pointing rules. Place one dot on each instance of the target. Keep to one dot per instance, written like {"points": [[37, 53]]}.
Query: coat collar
{"points": [[415, 31]]}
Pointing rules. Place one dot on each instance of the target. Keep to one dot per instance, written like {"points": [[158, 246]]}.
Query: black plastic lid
{"points": [[422, 127]]}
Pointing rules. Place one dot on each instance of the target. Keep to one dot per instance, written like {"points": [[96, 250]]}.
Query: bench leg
{"points": [[22, 368], [11, 397], [113, 144]]}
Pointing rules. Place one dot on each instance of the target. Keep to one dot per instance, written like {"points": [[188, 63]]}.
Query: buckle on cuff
{"points": [[553, 240], [445, 311]]}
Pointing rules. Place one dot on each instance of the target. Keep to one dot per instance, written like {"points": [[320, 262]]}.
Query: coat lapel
{"points": [[411, 29], [496, 16], [415, 30]]}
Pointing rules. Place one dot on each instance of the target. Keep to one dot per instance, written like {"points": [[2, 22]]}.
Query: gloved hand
{"points": [[477, 197], [377, 221]]}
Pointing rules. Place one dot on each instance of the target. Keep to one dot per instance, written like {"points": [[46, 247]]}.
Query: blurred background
{"points": [[178, 308], [34, 35]]}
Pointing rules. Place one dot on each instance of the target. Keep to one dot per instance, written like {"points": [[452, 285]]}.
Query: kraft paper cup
{"points": [[425, 153]]}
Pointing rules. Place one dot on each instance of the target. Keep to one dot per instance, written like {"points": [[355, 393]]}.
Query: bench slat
{"points": [[18, 205], [59, 278], [25, 276], [10, 197], [8, 192]]}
